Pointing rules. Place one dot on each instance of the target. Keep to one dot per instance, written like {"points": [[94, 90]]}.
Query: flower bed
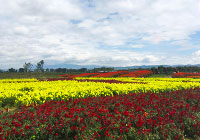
{"points": [[79, 75], [111, 74], [26, 93], [186, 75], [172, 115], [141, 73], [193, 76]]}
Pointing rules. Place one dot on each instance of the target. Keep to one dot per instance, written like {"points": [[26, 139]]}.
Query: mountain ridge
{"points": [[74, 66]]}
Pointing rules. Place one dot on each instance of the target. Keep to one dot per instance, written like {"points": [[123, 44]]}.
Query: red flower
{"points": [[106, 132], [27, 127], [121, 131], [83, 128]]}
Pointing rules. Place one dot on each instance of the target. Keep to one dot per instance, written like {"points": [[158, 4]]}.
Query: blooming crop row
{"points": [[193, 76], [173, 115], [186, 75], [135, 79], [86, 79], [79, 75], [111, 74], [84, 75], [141, 73], [38, 92], [65, 75], [107, 81]]}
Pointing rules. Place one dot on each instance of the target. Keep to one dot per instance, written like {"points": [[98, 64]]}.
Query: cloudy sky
{"points": [[99, 32]]}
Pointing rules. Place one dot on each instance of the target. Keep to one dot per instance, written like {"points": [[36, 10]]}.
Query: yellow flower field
{"points": [[28, 91]]}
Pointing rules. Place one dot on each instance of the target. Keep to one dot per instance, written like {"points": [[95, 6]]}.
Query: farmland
{"points": [[99, 70], [116, 105]]}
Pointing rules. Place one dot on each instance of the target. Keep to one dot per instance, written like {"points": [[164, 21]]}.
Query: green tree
{"points": [[160, 69], [170, 70], [153, 69], [82, 70], [165, 70], [21, 70], [52, 70], [12, 70], [47, 70], [40, 66], [64, 70], [27, 67]]}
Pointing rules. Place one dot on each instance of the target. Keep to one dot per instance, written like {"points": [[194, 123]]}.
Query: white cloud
{"points": [[195, 57], [185, 44], [21, 30], [70, 31], [197, 53], [136, 46]]}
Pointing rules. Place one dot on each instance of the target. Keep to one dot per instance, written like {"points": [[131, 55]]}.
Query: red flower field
{"points": [[134, 116], [140, 73], [186, 75]]}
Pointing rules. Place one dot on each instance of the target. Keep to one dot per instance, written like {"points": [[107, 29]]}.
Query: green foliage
{"points": [[40, 65], [28, 67]]}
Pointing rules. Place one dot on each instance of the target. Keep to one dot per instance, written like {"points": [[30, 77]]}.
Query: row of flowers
{"points": [[186, 75], [141, 73], [172, 115], [111, 81], [111, 74], [19, 93]]}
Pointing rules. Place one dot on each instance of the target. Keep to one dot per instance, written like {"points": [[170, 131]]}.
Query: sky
{"points": [[99, 32]]}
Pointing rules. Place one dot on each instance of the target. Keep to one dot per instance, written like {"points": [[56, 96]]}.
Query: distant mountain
{"points": [[156, 66], [142, 66], [188, 65], [73, 66]]}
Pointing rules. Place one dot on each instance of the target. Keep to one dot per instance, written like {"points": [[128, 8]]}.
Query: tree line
{"points": [[170, 70], [28, 67]]}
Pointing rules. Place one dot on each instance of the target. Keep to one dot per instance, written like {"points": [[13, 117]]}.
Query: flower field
{"points": [[186, 75], [140, 73], [31, 91], [100, 108]]}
